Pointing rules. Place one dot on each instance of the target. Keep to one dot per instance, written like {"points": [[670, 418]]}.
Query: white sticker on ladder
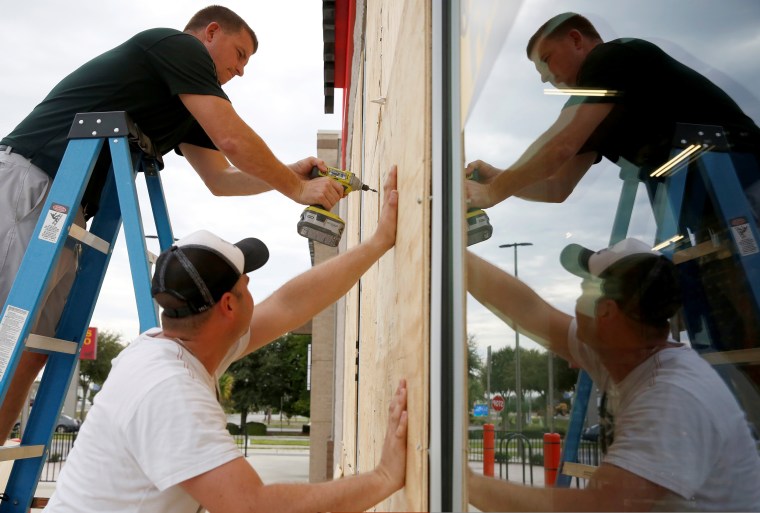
{"points": [[10, 329], [54, 221], [743, 236]]}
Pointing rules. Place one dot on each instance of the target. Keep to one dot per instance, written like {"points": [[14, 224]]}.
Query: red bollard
{"points": [[552, 450], [488, 449]]}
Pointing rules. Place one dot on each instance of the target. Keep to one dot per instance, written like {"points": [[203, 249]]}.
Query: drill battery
{"points": [[478, 226], [321, 225]]}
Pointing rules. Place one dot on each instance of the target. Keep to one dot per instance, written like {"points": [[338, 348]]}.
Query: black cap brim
{"points": [[575, 259], [255, 253]]}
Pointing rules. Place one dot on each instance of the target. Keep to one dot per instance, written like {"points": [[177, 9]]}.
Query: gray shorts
{"points": [[23, 189]]}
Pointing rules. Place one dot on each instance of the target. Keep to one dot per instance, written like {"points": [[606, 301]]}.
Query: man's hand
{"points": [[486, 172], [478, 191], [386, 226], [319, 191], [304, 166], [478, 195], [392, 465]]}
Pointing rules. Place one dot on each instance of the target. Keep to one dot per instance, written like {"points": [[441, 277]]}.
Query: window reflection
{"points": [[610, 130]]}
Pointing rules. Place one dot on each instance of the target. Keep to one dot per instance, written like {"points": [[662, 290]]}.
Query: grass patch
{"points": [[296, 443]]}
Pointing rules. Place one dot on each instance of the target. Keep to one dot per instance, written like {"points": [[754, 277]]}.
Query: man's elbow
{"points": [[228, 144], [214, 183]]}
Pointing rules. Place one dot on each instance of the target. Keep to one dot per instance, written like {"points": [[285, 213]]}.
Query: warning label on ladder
{"points": [[54, 221], [743, 236], [10, 329]]}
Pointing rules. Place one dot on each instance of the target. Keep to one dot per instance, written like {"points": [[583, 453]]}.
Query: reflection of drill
{"points": [[319, 224], [478, 226]]}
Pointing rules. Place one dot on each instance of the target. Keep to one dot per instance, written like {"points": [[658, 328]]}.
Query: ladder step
{"points": [[40, 502], [88, 238], [718, 251], [21, 452], [53, 345], [572, 469], [735, 357]]}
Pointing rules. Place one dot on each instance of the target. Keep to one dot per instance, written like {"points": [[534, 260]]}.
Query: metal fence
{"points": [[521, 452], [60, 447], [62, 443]]}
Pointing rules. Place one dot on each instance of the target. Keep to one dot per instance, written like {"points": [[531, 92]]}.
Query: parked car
{"points": [[591, 433], [65, 424]]}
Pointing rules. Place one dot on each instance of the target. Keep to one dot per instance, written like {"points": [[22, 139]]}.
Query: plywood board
{"points": [[351, 237], [393, 306]]}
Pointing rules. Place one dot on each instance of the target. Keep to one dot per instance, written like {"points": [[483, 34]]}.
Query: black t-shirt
{"points": [[143, 76], [655, 93]]}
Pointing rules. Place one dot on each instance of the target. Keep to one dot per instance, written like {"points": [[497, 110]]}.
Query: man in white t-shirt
{"points": [[673, 435], [156, 439]]}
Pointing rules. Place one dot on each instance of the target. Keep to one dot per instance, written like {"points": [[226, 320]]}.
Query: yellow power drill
{"points": [[478, 225], [319, 224]]}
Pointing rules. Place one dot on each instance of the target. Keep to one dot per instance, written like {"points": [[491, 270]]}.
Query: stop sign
{"points": [[497, 403]]}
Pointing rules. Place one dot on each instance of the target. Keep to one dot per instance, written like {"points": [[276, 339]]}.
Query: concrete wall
{"points": [[323, 343]]}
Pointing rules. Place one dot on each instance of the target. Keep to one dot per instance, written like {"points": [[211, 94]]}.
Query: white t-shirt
{"points": [[678, 425], [155, 424]]}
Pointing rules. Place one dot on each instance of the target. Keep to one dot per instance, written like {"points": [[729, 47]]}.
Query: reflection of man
{"points": [[653, 93], [673, 435], [170, 83], [156, 438]]}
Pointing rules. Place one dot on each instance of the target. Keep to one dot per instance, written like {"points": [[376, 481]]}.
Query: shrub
{"points": [[537, 459], [234, 429], [256, 429]]}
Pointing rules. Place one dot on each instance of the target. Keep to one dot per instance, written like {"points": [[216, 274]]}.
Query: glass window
{"points": [[633, 127]]}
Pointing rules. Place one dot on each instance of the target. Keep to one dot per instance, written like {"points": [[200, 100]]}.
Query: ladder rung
{"points": [[91, 240], [572, 469], [21, 452], [40, 502], [700, 250], [737, 356], [56, 345]]}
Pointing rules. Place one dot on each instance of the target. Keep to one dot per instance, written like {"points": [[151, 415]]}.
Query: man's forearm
{"points": [[234, 182], [240, 143], [306, 295], [333, 278], [354, 493], [252, 156]]}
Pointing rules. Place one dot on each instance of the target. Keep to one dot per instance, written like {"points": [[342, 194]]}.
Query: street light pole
{"points": [[518, 379]]}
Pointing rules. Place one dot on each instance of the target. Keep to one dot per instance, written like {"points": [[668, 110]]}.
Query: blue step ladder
{"points": [[702, 149], [131, 152]]}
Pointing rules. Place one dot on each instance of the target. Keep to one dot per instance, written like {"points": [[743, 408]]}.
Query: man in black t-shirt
{"points": [[652, 92], [169, 82]]}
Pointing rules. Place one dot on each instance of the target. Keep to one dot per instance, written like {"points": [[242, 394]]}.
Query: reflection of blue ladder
{"points": [[703, 150], [584, 384], [130, 153]]}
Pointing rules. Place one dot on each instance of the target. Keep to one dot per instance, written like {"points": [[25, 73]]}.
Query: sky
{"points": [[280, 96], [719, 39]]}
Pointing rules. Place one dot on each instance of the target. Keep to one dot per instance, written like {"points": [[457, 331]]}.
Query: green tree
{"points": [[95, 372], [503, 371], [274, 376], [475, 388], [226, 381], [534, 374]]}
